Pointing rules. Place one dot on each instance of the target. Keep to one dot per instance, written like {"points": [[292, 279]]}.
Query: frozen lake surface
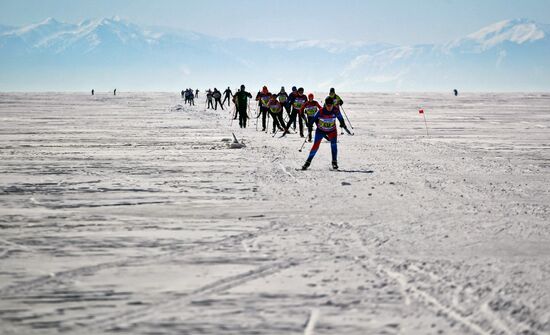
{"points": [[121, 214]]}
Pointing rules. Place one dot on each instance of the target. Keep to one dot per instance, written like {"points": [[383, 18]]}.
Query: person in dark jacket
{"points": [[241, 102]]}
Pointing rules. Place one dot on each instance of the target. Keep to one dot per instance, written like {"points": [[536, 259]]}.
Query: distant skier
{"points": [[297, 101], [325, 119], [227, 94], [276, 112], [217, 95], [234, 99], [263, 98], [241, 102], [209, 99], [182, 94], [114, 92], [456, 92], [291, 97], [189, 97], [197, 93], [309, 109], [93, 91], [283, 99]]}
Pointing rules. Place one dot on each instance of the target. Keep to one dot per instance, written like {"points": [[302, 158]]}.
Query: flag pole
{"points": [[421, 111]]}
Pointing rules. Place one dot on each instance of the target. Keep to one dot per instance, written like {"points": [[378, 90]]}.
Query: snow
{"points": [[128, 213]]}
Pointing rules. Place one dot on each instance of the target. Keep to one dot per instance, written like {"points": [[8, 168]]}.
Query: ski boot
{"points": [[306, 164], [335, 165]]}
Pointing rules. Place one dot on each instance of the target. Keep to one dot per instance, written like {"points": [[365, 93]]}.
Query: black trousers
{"points": [[264, 111], [210, 105], [218, 101], [309, 124], [278, 121], [242, 117], [228, 100], [292, 119]]}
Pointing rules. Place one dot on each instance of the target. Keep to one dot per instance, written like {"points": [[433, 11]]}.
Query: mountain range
{"points": [[105, 53]]}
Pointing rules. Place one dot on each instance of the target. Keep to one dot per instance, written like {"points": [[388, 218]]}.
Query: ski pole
{"points": [[346, 115], [303, 143]]}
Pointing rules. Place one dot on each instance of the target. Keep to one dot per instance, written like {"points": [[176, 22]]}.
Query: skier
{"points": [[209, 99], [114, 92], [217, 95], [283, 99], [189, 97], [263, 99], [297, 102], [291, 97], [241, 102], [276, 112], [234, 99], [325, 119], [337, 100], [182, 94], [456, 92], [310, 108], [93, 91], [197, 93], [227, 94]]}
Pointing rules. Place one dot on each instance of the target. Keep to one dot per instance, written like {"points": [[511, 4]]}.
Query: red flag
{"points": [[420, 111]]}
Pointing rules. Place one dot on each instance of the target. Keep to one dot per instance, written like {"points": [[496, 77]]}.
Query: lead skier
{"points": [[325, 119]]}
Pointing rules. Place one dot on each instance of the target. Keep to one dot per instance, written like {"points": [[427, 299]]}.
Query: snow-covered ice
{"points": [[127, 214]]}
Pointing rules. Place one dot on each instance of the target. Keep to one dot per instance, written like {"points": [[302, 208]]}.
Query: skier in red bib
{"points": [[309, 109], [276, 112]]}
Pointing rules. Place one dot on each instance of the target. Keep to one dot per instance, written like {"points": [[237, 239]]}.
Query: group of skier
{"points": [[295, 107], [189, 96], [214, 98], [298, 107]]}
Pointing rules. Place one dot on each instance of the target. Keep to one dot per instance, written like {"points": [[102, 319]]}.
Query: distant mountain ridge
{"points": [[107, 52]]}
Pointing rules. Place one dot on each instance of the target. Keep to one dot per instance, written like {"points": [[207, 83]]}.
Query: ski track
{"points": [[57, 277], [417, 234], [151, 311]]}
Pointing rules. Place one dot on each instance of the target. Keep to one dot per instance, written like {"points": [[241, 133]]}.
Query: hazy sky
{"points": [[392, 21]]}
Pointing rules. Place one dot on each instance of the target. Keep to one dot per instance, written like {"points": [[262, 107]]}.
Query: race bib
{"points": [[282, 98], [310, 111], [298, 103], [327, 124], [264, 100], [274, 108]]}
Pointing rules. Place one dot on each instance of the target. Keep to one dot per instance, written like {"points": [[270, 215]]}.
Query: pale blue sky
{"points": [[391, 21]]}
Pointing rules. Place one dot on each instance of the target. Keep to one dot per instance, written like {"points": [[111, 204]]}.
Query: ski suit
{"points": [[241, 100], [227, 94], [297, 101], [283, 99], [263, 99], [326, 128], [217, 99], [309, 109], [337, 100], [276, 112]]}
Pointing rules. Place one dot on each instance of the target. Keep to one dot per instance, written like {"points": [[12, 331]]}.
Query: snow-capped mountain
{"points": [[509, 55]]}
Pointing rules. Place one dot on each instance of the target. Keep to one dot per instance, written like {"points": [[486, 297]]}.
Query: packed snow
{"points": [[128, 214]]}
